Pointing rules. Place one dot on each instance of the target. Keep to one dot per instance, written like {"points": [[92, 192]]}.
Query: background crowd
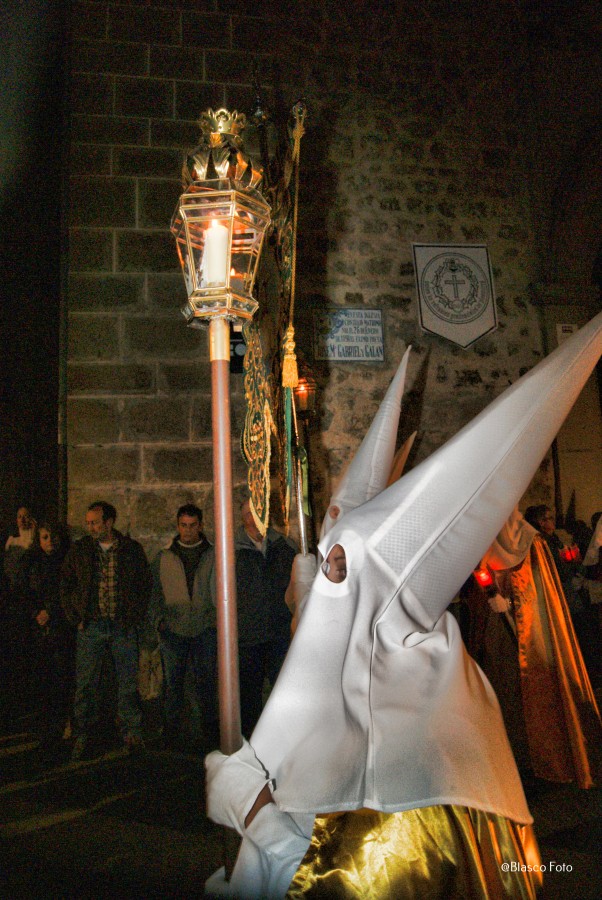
{"points": [[97, 642], [94, 640]]}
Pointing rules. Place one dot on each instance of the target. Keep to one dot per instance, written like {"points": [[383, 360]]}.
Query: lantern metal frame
{"points": [[246, 216]]}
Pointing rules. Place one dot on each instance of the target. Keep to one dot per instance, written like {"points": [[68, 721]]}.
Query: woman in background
{"points": [[53, 638]]}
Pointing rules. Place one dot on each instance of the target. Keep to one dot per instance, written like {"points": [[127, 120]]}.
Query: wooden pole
{"points": [[225, 568], [227, 624]]}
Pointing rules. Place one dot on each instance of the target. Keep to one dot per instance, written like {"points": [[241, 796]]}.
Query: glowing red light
{"points": [[570, 554], [484, 577]]}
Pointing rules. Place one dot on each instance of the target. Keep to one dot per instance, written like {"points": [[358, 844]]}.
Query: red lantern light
{"points": [[570, 554], [483, 577]]}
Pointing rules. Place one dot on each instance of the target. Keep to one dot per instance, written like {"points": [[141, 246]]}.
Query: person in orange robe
{"points": [[521, 634]]}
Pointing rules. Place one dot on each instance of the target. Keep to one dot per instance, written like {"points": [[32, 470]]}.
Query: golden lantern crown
{"points": [[222, 121]]}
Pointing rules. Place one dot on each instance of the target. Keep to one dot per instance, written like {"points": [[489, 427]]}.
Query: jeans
{"points": [[176, 651], [98, 635]]}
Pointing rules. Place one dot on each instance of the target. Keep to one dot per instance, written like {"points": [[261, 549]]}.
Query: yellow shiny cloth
{"points": [[435, 853], [561, 716]]}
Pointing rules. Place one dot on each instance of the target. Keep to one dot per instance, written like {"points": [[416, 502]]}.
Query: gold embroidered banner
{"points": [[259, 427]]}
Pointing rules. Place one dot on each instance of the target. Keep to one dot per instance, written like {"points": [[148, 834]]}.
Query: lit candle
{"points": [[302, 397], [215, 254]]}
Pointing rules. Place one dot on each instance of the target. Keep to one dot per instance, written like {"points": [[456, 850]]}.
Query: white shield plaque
{"points": [[455, 291]]}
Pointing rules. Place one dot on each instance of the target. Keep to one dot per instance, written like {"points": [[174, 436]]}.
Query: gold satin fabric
{"points": [[435, 853], [560, 712]]}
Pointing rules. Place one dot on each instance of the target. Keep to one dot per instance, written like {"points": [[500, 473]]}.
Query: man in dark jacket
{"points": [[105, 591], [263, 571], [183, 613]]}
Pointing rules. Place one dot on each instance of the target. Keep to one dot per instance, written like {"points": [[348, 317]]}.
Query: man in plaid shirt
{"points": [[105, 591]]}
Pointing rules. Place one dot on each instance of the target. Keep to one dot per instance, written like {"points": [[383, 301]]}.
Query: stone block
{"points": [[157, 200], [516, 233], [110, 57], [205, 31], [103, 466], [201, 417], [181, 135], [109, 130], [148, 162], [157, 419], [139, 251], [92, 94], [93, 337], [376, 265], [166, 291], [231, 65], [193, 97], [178, 464], [149, 24], [177, 62], [154, 512], [92, 422], [87, 160], [109, 378], [105, 291], [90, 250], [186, 377], [99, 201], [89, 21], [262, 35], [162, 337], [143, 97]]}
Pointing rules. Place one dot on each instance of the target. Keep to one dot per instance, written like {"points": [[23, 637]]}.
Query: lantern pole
{"points": [[219, 225], [227, 626]]}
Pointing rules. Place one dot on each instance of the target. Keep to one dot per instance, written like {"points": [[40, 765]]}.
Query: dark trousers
{"points": [[256, 662], [54, 671], [176, 652]]}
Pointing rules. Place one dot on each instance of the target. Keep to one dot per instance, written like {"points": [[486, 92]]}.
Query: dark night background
{"points": [[34, 141]]}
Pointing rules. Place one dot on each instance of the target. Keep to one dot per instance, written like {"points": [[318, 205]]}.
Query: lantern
{"points": [[305, 395], [483, 577], [219, 229]]}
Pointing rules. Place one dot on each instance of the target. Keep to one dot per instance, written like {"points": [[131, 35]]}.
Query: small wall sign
{"points": [[349, 335]]}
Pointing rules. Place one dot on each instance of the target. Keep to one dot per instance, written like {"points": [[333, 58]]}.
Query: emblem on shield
{"points": [[455, 291]]}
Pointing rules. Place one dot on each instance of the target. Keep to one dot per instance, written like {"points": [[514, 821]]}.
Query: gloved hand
{"points": [[233, 783], [498, 603], [283, 845], [269, 855]]}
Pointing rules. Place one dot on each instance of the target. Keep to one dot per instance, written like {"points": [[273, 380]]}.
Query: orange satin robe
{"points": [[558, 720]]}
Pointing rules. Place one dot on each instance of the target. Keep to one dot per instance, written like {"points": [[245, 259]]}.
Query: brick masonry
{"points": [[416, 132]]}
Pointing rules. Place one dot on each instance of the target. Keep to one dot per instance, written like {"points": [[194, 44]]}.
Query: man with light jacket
{"points": [[183, 613]]}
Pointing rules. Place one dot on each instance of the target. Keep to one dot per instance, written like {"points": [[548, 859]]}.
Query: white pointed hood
{"points": [[378, 703], [369, 470]]}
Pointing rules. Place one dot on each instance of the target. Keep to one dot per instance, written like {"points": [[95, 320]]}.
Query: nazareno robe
{"points": [[538, 673]]}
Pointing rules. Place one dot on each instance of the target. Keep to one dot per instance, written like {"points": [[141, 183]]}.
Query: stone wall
{"points": [[419, 129]]}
